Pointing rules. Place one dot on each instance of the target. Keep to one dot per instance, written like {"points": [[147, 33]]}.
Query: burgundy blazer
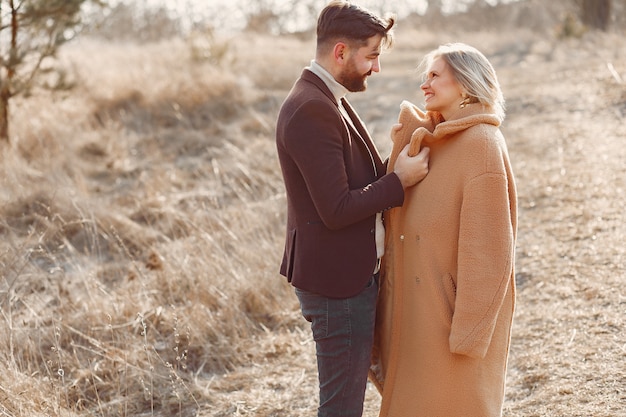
{"points": [[336, 183]]}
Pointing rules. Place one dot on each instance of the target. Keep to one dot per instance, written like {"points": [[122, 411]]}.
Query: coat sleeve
{"points": [[318, 151], [485, 263]]}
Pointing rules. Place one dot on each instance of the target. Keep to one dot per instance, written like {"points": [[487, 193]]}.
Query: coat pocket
{"points": [[448, 297]]}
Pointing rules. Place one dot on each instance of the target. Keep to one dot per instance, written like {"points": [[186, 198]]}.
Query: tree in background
{"points": [[30, 32], [596, 13]]}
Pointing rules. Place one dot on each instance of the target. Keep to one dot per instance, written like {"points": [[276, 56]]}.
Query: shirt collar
{"points": [[338, 90]]}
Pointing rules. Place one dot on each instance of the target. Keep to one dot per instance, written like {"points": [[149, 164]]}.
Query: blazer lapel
{"points": [[363, 134], [356, 121]]}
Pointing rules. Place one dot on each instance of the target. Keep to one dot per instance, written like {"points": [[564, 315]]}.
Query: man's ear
{"points": [[340, 52]]}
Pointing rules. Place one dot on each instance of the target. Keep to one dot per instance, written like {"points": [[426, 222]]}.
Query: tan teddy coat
{"points": [[448, 291]]}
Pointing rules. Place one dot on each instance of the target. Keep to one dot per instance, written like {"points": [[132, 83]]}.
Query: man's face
{"points": [[360, 64]]}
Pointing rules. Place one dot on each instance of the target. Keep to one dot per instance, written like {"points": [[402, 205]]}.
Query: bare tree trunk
{"points": [[4, 134], [5, 85], [596, 13], [4, 116], [42, 27]]}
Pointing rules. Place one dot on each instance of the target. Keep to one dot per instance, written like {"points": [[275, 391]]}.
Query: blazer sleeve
{"points": [[316, 135]]}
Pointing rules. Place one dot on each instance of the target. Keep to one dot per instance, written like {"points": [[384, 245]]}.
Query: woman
{"points": [[448, 292]]}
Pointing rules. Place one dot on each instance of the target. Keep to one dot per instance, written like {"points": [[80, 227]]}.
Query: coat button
{"points": [[372, 231], [401, 237]]}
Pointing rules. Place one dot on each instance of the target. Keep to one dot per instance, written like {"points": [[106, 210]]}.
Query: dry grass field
{"points": [[142, 215]]}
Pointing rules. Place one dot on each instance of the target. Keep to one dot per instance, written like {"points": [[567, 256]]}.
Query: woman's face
{"points": [[442, 92]]}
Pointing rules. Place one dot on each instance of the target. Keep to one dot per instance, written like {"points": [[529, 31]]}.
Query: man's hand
{"points": [[411, 169]]}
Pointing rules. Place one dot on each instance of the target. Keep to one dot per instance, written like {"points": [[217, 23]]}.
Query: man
{"points": [[337, 187]]}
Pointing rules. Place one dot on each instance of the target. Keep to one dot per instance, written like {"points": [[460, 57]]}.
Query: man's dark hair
{"points": [[343, 21]]}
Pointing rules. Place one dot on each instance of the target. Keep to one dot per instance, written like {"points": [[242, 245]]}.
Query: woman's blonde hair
{"points": [[473, 71]]}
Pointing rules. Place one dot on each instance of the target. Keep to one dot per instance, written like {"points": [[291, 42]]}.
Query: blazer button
{"points": [[372, 231]]}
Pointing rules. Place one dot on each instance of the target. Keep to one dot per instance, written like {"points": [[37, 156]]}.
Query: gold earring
{"points": [[466, 100]]}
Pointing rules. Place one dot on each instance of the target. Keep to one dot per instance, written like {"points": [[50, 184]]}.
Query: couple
{"points": [[431, 324]]}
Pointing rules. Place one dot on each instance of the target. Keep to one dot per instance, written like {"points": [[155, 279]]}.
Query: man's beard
{"points": [[352, 79]]}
